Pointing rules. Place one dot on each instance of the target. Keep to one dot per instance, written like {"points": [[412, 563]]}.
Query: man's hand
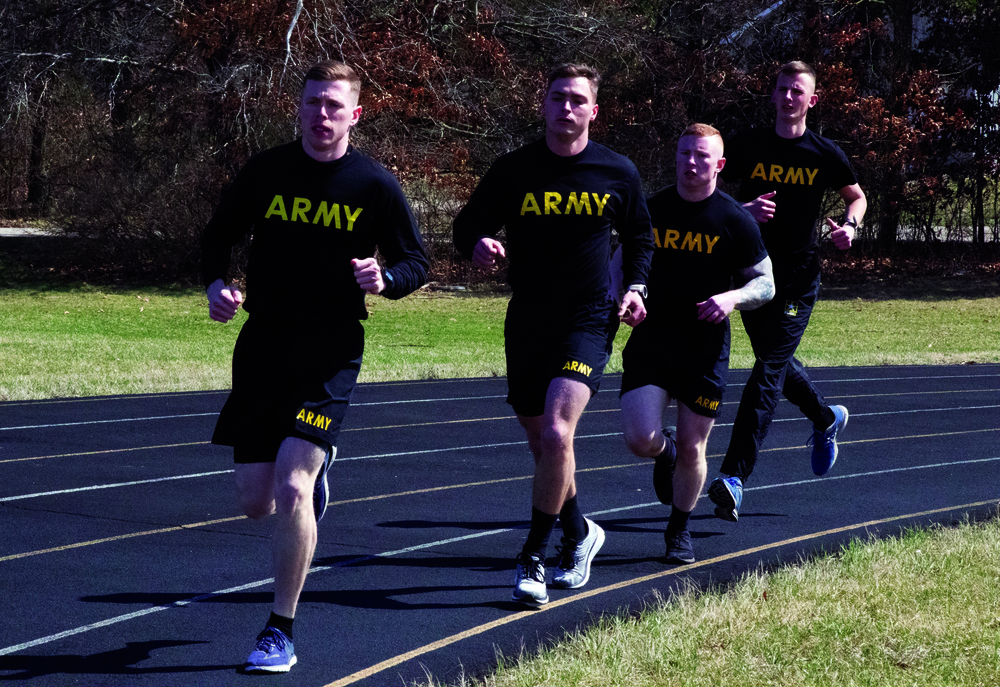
{"points": [[632, 310], [842, 235], [717, 308], [762, 208], [368, 274], [487, 251], [223, 301]]}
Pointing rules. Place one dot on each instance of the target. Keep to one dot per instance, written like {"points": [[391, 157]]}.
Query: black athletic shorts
{"points": [[289, 381], [689, 361], [575, 341]]}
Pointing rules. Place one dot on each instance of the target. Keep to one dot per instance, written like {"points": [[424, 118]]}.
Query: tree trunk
{"points": [[38, 191]]}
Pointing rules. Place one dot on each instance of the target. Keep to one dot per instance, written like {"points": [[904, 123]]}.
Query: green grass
{"points": [[922, 609], [83, 340]]}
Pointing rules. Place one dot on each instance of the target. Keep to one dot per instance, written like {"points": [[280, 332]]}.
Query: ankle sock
{"points": [[573, 523], [542, 525], [282, 623]]}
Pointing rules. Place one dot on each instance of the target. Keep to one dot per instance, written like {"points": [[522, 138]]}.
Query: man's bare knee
{"points": [[290, 495], [256, 505], [557, 439]]}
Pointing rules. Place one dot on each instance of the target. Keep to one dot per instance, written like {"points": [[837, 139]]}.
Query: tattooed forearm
{"points": [[758, 289]]}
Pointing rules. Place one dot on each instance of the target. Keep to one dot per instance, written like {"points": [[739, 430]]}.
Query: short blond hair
{"points": [[331, 70], [701, 130]]}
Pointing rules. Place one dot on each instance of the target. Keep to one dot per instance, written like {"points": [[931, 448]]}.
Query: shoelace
{"points": [[268, 640], [566, 552], [532, 568]]}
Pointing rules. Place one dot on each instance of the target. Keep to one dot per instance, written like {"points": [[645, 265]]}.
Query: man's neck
{"points": [[698, 193], [790, 130], [566, 147], [328, 155]]}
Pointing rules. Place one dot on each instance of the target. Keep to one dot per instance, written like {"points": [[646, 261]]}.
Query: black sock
{"points": [[678, 520], [573, 523], [827, 419], [669, 452], [542, 525], [282, 623]]}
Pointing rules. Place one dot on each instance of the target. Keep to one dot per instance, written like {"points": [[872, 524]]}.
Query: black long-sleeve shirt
{"points": [[558, 213], [308, 220]]}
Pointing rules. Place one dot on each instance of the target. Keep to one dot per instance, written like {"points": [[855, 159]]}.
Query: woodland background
{"points": [[122, 120]]}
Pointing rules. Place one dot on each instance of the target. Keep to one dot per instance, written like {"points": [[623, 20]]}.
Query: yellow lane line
{"points": [[175, 528], [112, 450], [486, 627]]}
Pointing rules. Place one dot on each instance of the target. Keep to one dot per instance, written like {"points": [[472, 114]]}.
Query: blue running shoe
{"points": [[321, 491], [274, 652], [663, 468], [825, 442], [727, 495]]}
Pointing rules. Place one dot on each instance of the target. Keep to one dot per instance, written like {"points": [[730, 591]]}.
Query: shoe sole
{"points": [[663, 488], [836, 447], [590, 559], [725, 504], [529, 600], [677, 560], [272, 669]]}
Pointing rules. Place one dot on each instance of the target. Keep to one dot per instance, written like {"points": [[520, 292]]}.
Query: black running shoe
{"points": [[679, 549]]}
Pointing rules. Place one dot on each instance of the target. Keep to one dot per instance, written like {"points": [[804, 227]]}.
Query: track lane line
{"points": [[469, 420], [110, 450], [378, 403]]}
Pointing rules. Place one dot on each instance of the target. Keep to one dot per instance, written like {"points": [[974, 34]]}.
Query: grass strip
{"points": [[68, 341], [920, 609]]}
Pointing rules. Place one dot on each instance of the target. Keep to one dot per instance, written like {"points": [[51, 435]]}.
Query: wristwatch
{"points": [[849, 222], [640, 289]]}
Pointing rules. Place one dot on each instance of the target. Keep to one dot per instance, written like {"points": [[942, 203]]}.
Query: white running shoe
{"points": [[573, 570], [529, 581]]}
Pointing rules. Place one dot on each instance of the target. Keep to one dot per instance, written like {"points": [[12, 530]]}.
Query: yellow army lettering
{"points": [[314, 419], [301, 207], [706, 403], [575, 366], [574, 204], [794, 175], [692, 241]]}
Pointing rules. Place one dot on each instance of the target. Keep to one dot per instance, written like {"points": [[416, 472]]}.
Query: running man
{"points": [[783, 175], [317, 208], [705, 241], [558, 200]]}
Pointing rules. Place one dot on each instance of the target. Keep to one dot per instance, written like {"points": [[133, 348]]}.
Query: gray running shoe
{"points": [[529, 581], [573, 570]]}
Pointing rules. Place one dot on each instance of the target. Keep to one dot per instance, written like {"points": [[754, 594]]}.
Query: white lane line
{"points": [[611, 434], [905, 379], [465, 448], [433, 400], [419, 547], [112, 486], [105, 422], [476, 398]]}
